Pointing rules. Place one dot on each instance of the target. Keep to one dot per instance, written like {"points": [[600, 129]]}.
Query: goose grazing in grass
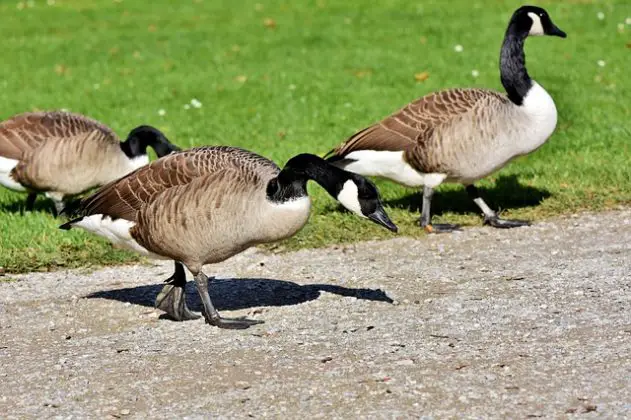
{"points": [[204, 205], [461, 135], [61, 154]]}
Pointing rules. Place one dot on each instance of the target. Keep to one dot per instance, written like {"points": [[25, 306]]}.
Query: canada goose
{"points": [[62, 154], [206, 204], [461, 135]]}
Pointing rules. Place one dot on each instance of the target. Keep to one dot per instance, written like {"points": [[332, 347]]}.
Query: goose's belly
{"points": [[478, 162], [270, 223], [199, 232]]}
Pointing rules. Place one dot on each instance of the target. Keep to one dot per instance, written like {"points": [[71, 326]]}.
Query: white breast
{"points": [[138, 162], [115, 231], [521, 131], [281, 220], [299, 205], [541, 114], [6, 166]]}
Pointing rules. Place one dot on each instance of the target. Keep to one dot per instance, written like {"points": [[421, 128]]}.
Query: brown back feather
{"points": [[25, 132], [125, 197], [414, 124]]}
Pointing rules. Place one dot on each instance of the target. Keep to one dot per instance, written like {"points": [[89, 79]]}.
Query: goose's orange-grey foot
{"points": [[426, 215]]}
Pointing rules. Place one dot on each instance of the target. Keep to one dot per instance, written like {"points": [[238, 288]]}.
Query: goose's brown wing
{"points": [[26, 132], [125, 197], [413, 125]]}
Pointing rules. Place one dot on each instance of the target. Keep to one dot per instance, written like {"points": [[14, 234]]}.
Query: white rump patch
{"points": [[390, 165], [349, 197], [537, 28], [6, 166], [139, 161], [115, 231]]}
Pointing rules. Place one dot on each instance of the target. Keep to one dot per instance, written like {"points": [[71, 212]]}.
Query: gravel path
{"points": [[533, 322]]}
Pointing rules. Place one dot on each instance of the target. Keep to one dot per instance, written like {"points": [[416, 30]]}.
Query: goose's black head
{"points": [[533, 21], [143, 136], [353, 191], [360, 196]]}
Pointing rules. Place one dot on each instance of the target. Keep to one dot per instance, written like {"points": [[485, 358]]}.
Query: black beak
{"points": [[554, 30], [381, 218]]}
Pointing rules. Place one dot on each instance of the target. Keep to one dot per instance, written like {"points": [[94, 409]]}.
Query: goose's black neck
{"points": [[513, 72], [133, 147], [291, 182]]}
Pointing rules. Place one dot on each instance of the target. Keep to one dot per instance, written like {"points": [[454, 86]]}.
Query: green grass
{"points": [[326, 69]]}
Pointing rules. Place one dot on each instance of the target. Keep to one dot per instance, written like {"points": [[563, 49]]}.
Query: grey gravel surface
{"points": [[532, 322]]}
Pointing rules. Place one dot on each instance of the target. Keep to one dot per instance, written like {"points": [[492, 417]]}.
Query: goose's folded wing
{"points": [[124, 197], [415, 123]]}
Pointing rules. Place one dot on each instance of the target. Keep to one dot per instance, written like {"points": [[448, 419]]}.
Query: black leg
{"points": [[490, 217], [172, 298], [210, 313], [426, 215], [30, 201]]}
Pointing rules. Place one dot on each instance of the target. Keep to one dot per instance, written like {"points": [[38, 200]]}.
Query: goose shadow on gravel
{"points": [[243, 293]]}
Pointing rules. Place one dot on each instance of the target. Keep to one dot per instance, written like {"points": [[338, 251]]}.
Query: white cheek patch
{"points": [[536, 28], [348, 196]]}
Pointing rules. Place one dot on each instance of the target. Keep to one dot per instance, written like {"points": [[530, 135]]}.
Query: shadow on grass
{"points": [[42, 205], [507, 193], [233, 294]]}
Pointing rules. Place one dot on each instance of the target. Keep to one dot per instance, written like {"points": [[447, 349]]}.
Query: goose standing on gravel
{"points": [[461, 135], [62, 154], [206, 204]]}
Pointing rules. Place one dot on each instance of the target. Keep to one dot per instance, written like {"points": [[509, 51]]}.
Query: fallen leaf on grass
{"points": [[269, 23], [421, 77], [61, 69], [362, 73], [241, 78]]}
